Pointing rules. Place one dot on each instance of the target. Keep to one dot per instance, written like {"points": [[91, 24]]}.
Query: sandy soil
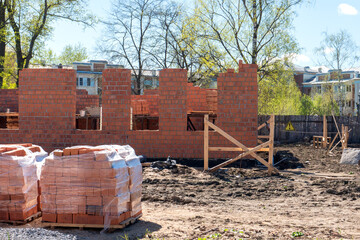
{"points": [[321, 200]]}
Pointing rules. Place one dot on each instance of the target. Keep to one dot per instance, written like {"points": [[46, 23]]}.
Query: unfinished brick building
{"points": [[48, 101]]}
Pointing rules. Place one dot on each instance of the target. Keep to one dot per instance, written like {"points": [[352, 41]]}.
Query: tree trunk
{"points": [[255, 34], [2, 40]]}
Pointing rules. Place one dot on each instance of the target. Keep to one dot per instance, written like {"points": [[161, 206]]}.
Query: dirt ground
{"points": [[319, 201], [313, 197]]}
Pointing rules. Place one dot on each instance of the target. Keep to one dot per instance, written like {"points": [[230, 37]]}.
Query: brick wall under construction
{"points": [[48, 99]]}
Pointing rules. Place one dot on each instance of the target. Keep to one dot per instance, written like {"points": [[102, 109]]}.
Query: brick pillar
{"points": [[116, 100], [47, 100], [172, 101], [238, 104]]}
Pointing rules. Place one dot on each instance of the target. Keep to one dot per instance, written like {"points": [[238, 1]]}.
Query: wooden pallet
{"points": [[22, 222], [122, 225]]}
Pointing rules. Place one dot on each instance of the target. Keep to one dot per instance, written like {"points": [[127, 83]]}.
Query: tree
{"points": [[72, 54], [278, 92], [30, 22], [129, 35], [339, 52], [324, 104], [180, 45], [9, 73], [69, 54], [256, 31], [306, 105]]}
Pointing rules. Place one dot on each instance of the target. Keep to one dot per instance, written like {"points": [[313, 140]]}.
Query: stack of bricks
{"points": [[85, 185], [19, 193], [135, 177]]}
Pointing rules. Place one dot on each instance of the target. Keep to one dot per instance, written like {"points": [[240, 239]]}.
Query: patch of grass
{"points": [[297, 234]]}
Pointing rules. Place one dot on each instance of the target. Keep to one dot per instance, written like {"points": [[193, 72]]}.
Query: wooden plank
{"points": [[332, 142], [337, 127], [227, 136], [234, 149], [343, 136], [325, 132], [266, 137], [263, 125], [237, 143], [346, 136], [74, 225], [206, 142], [271, 140], [22, 222], [238, 157]]}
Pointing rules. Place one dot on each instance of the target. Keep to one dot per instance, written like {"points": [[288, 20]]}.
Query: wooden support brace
{"points": [[206, 142], [237, 143]]}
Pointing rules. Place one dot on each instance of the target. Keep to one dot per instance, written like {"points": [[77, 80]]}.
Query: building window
{"points": [[348, 88], [88, 82], [348, 103], [81, 82], [318, 89]]}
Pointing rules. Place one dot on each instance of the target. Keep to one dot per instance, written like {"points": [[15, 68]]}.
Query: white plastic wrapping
{"points": [[19, 181], [87, 185]]}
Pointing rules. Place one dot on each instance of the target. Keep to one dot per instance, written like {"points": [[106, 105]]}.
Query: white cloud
{"points": [[328, 50], [346, 9], [299, 58]]}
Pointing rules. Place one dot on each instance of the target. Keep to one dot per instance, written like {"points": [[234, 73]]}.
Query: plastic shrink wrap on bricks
{"points": [[86, 185], [135, 174], [19, 175]]}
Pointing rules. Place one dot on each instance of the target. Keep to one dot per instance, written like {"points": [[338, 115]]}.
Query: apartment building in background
{"points": [[346, 90]]}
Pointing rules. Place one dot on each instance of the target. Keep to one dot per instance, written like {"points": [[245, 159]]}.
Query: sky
{"points": [[311, 21]]}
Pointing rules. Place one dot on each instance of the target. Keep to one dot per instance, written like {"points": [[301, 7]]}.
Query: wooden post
{"points": [[346, 137], [343, 136], [271, 139], [325, 133], [206, 142]]}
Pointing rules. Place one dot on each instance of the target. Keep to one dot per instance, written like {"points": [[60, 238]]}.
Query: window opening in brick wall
{"points": [[89, 119], [9, 120], [144, 122], [195, 121]]}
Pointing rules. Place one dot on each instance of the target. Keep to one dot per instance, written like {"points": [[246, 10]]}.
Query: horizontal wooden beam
{"points": [[234, 149], [249, 152], [264, 137]]}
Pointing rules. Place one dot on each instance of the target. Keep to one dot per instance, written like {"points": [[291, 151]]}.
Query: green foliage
{"points": [[45, 57], [72, 54], [278, 92], [306, 105], [324, 104], [256, 31], [10, 71], [68, 55], [297, 234]]}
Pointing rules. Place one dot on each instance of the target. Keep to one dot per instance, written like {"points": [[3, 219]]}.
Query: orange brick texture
{"points": [[89, 186], [9, 98], [48, 119], [19, 194], [83, 100]]}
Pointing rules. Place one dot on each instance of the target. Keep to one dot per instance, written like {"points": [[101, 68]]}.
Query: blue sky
{"points": [[311, 21]]}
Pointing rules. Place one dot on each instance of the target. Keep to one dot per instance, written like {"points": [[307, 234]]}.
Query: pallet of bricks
{"points": [[19, 193], [98, 187]]}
